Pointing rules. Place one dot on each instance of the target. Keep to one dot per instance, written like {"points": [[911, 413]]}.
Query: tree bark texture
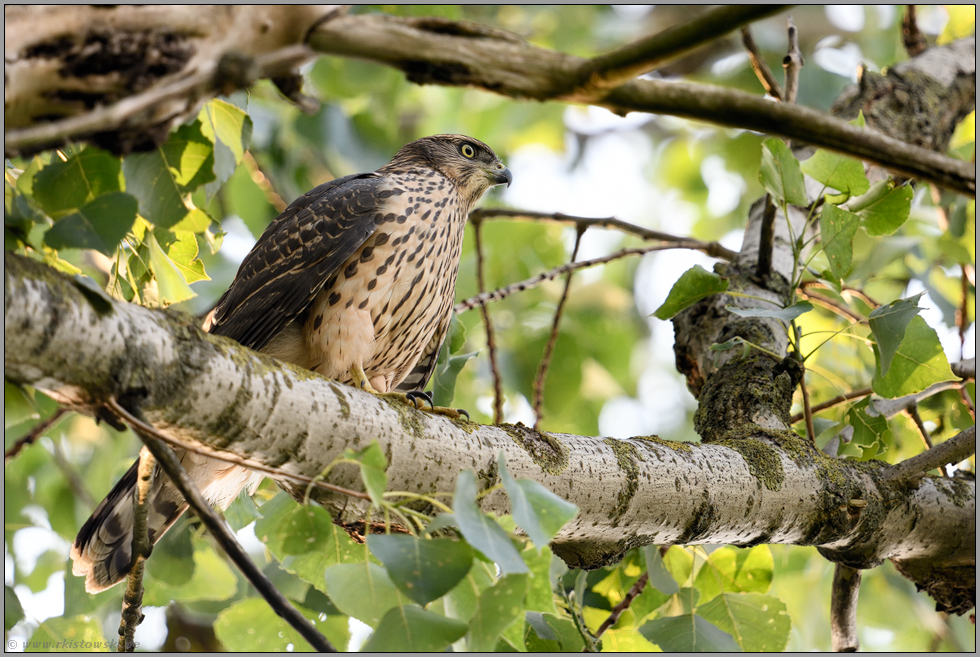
{"points": [[213, 395]]}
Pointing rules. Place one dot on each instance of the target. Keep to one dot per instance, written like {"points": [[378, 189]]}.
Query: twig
{"points": [[792, 63], [549, 347], [807, 411], [913, 412], [759, 65], [713, 249], [115, 116], [624, 604], [767, 238], [954, 450], [843, 609], [132, 605], [32, 435], [228, 457], [858, 292], [634, 59], [504, 292], [833, 306], [498, 394], [170, 464], [830, 403], [912, 38], [889, 408]]}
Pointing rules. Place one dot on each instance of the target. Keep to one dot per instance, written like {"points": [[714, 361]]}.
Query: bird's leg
{"points": [[360, 380]]}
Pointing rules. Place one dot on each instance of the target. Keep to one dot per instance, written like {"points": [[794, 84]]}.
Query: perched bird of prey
{"points": [[354, 280]]}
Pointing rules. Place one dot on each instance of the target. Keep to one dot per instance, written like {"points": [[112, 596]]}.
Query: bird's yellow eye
{"points": [[467, 151]]}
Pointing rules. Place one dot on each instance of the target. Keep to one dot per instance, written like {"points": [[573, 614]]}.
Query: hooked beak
{"points": [[502, 176]]}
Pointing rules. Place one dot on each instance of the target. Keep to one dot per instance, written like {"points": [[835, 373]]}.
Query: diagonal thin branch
{"points": [[759, 65], [132, 605], [170, 464], [624, 604], [642, 56], [959, 447], [504, 292], [549, 347], [713, 249], [843, 609], [36, 432]]}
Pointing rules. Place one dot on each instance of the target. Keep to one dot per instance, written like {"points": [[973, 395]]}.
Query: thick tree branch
{"points": [[634, 59], [433, 51], [210, 392]]}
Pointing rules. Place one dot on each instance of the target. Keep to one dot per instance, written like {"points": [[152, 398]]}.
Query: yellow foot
{"points": [[415, 399]]}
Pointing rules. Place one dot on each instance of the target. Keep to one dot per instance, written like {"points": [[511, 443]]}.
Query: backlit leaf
{"points": [[918, 363], [888, 324], [410, 629], [423, 569], [688, 633], [693, 285], [780, 172], [837, 229], [838, 171], [758, 623]]}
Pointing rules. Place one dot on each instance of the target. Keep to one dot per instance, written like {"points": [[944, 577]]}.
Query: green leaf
{"points": [[688, 633], [787, 314], [410, 629], [693, 285], [100, 224], [480, 531], [173, 558], [373, 465], [212, 580], [840, 172], [888, 324], [68, 634], [871, 434], [538, 511], [18, 406], [498, 607], [540, 596], [883, 208], [163, 179], [780, 172], [551, 633], [171, 285], [659, 577], [447, 369], [12, 610], [423, 569], [363, 590], [250, 625], [64, 186], [242, 512], [837, 229], [182, 249], [304, 539], [738, 571], [918, 363], [248, 201], [758, 623], [230, 130]]}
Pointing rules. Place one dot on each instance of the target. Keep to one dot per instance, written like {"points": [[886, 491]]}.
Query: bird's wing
{"points": [[296, 255]]}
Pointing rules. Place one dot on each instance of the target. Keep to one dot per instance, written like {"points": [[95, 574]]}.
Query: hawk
{"points": [[354, 280]]}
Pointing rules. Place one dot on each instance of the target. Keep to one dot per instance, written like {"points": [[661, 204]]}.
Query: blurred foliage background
{"points": [[612, 373]]}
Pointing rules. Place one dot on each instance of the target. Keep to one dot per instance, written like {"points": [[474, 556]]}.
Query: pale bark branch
{"points": [[132, 605], [209, 391], [956, 449], [843, 609], [792, 63]]}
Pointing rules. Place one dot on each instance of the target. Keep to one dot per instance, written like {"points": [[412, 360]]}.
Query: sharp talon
{"points": [[462, 411]]}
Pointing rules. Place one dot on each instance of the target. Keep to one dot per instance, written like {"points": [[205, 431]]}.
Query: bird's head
{"points": [[469, 163]]}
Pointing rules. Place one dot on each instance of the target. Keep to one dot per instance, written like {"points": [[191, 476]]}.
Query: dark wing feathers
{"points": [[295, 256]]}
